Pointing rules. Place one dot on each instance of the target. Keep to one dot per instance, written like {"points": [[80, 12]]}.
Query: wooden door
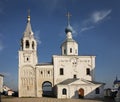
{"points": [[81, 93]]}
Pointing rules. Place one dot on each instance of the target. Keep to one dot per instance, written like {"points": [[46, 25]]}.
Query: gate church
{"points": [[67, 76]]}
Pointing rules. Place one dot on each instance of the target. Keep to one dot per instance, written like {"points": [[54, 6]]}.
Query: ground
{"points": [[16, 99]]}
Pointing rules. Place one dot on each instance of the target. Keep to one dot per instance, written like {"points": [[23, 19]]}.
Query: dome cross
{"points": [[68, 17]]}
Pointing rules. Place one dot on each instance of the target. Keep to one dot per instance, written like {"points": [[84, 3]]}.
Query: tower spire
{"points": [[116, 77], [28, 31], [28, 18]]}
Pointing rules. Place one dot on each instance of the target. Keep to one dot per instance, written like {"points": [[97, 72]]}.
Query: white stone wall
{"points": [[32, 58], [73, 65], [27, 81], [1, 83], [44, 74]]}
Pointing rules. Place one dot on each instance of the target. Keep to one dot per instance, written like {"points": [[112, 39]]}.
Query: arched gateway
{"points": [[47, 88]]}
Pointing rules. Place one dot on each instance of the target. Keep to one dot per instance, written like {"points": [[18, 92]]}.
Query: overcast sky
{"points": [[96, 25]]}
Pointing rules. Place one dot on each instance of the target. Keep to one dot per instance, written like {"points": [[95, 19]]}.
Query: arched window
{"points": [[64, 91], [27, 44], [70, 50], [75, 76], [97, 91], [88, 71], [33, 45], [61, 71]]}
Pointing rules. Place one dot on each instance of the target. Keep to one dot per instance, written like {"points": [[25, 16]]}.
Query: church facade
{"points": [[67, 76]]}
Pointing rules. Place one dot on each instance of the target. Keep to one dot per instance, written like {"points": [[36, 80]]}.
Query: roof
{"points": [[68, 29], [47, 63], [1, 75], [117, 82], [28, 31], [95, 82], [71, 80], [68, 81]]}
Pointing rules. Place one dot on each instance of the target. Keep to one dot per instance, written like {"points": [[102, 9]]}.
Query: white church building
{"points": [[67, 76]]}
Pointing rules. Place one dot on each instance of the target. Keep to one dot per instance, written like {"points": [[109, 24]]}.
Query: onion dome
{"points": [[68, 29]]}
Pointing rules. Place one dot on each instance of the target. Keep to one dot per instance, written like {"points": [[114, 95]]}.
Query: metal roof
{"points": [[68, 81]]}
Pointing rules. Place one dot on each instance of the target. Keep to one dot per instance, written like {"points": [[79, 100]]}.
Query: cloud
{"points": [[86, 28], [94, 19], [37, 36], [100, 15]]}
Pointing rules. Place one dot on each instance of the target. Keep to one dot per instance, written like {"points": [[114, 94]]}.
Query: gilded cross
{"points": [[68, 16], [28, 18]]}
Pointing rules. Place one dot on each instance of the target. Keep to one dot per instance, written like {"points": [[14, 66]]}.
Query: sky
{"points": [[96, 28]]}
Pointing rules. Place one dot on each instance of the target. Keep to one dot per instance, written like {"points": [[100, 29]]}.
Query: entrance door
{"points": [[47, 88], [81, 93]]}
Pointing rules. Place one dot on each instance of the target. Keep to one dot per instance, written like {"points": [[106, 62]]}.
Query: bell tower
{"points": [[28, 48], [27, 61]]}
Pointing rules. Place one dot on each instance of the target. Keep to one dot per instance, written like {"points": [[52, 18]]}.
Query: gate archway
{"points": [[81, 93], [47, 88]]}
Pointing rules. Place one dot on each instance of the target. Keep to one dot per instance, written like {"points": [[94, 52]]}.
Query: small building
{"points": [[7, 91], [1, 83], [116, 84], [10, 92]]}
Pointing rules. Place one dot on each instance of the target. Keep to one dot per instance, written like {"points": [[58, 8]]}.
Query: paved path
{"points": [[13, 99]]}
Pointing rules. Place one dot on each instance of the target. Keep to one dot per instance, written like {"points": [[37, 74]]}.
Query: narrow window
{"points": [[64, 51], [33, 45], [97, 91], [64, 91], [48, 72], [61, 71], [76, 51], [27, 59], [88, 71], [27, 87], [75, 76], [27, 44], [70, 50], [41, 72]]}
